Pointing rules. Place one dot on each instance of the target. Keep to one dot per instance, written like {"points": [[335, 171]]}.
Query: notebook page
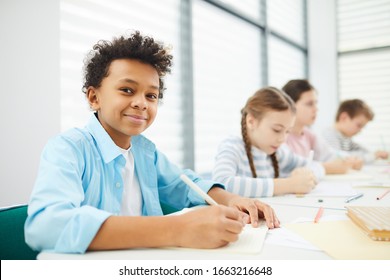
{"points": [[250, 242]]}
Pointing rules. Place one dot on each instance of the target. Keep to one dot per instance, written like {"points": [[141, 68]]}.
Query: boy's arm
{"points": [[119, 232], [208, 227]]}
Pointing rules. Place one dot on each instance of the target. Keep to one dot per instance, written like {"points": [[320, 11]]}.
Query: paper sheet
{"points": [[327, 188], [284, 237], [352, 175], [250, 242], [342, 240]]}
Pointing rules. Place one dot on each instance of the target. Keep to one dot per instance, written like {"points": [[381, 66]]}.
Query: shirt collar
{"points": [[106, 145]]}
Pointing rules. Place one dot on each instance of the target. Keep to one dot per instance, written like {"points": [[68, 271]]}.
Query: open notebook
{"points": [[250, 241]]}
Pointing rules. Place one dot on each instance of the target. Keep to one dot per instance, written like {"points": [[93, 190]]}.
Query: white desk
{"points": [[288, 209]]}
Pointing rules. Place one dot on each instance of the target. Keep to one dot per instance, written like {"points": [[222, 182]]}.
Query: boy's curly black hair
{"points": [[142, 48]]}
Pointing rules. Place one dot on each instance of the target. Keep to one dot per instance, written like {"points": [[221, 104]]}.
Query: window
{"points": [[364, 63], [226, 72]]}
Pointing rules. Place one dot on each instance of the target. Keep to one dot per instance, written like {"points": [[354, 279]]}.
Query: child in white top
{"points": [[258, 164]]}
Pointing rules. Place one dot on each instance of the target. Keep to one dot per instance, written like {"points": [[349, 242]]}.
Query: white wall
{"points": [[322, 42], [29, 92]]}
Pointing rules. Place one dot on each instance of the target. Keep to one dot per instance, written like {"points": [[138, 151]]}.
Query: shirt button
{"points": [[118, 185]]}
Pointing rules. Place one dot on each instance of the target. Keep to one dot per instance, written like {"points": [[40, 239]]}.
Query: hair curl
{"points": [[142, 48]]}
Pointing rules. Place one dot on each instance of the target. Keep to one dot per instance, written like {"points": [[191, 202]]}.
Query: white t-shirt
{"points": [[131, 197]]}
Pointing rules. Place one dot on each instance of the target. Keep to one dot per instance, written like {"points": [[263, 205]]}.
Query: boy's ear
{"points": [[92, 98], [344, 116]]}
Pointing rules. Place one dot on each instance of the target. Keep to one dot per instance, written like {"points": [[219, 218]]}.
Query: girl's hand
{"points": [[302, 180], [256, 209]]}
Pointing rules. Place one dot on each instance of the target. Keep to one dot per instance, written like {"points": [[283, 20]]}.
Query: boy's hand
{"points": [[354, 162], [209, 227], [381, 155], [256, 210]]}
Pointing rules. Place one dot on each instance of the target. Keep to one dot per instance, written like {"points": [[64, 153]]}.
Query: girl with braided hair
{"points": [[259, 164]]}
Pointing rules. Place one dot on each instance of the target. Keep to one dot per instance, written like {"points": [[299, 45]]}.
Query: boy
{"points": [[96, 185], [351, 118]]}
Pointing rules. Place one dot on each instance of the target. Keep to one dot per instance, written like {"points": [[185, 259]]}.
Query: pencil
{"points": [[310, 157], [383, 195], [319, 214], [197, 189]]}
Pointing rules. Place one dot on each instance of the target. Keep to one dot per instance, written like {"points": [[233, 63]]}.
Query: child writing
{"points": [[302, 140], [258, 164], [351, 117], [100, 187]]}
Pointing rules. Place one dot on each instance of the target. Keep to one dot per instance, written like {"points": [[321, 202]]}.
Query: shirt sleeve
{"points": [[225, 171], [173, 191], [57, 220]]}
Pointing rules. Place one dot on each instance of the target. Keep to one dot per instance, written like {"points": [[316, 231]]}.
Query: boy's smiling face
{"points": [[127, 100]]}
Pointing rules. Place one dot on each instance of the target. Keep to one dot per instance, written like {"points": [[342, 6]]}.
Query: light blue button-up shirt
{"points": [[79, 185]]}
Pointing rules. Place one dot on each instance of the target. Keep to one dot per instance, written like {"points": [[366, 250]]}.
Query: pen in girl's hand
{"points": [[310, 157]]}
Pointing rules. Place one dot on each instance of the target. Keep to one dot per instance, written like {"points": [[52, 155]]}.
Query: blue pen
{"points": [[349, 199]]}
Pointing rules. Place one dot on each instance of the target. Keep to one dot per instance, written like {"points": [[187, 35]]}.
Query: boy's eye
{"points": [[152, 96], [127, 90], [277, 130]]}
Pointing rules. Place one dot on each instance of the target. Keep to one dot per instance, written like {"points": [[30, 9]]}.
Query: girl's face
{"points": [[127, 100], [271, 131], [306, 108]]}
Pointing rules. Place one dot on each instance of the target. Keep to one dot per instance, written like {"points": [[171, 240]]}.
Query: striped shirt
{"points": [[232, 168], [345, 146]]}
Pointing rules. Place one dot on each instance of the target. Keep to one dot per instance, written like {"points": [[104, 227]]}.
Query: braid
{"points": [[247, 143], [275, 164]]}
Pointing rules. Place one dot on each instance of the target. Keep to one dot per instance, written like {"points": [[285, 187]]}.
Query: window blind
{"points": [[287, 17], [364, 63], [286, 21], [226, 72], [285, 62]]}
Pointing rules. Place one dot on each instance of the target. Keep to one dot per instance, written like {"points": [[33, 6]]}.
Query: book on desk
{"points": [[374, 221]]}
